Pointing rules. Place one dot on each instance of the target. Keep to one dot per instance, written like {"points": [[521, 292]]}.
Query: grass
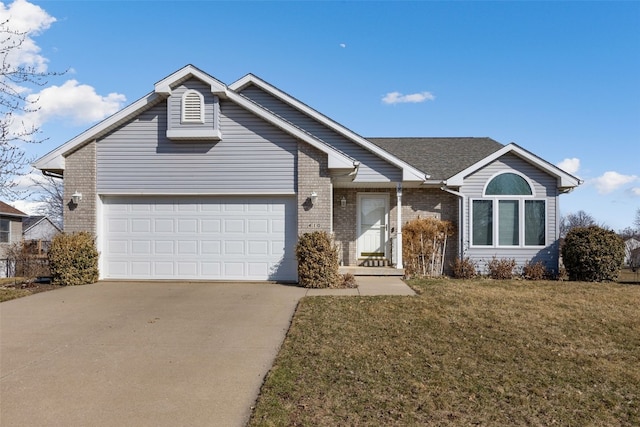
{"points": [[18, 287], [461, 353]]}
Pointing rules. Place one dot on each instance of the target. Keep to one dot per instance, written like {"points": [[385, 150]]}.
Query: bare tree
{"points": [[14, 101], [636, 221], [50, 192], [573, 220]]}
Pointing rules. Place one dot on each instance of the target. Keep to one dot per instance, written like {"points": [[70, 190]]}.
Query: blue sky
{"points": [[561, 79]]}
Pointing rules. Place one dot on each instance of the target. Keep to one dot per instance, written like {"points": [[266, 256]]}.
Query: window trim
{"points": [[8, 231], [520, 174], [496, 222], [183, 107]]}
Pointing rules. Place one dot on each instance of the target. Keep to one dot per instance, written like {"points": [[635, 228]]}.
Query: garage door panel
{"points": [[239, 238]]}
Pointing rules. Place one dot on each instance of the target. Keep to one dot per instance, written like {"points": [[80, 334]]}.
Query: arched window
{"points": [[508, 184], [192, 107], [508, 215]]}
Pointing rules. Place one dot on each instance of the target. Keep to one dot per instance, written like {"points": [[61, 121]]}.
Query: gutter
{"points": [[461, 205], [52, 174]]}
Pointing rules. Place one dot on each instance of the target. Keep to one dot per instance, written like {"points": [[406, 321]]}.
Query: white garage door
{"points": [[211, 238]]}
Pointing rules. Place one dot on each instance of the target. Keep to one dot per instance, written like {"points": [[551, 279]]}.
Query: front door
{"points": [[372, 225]]}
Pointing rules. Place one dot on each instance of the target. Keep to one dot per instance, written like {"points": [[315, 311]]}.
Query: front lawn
{"points": [[461, 353]]}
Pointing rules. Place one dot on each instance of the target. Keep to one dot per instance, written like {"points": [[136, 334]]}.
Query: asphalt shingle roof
{"points": [[439, 157], [10, 210]]}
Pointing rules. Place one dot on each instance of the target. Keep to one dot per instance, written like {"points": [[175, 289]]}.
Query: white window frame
{"points": [[183, 107], [495, 204], [8, 232], [496, 222]]}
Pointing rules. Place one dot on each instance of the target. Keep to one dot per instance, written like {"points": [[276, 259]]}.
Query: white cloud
{"points": [[78, 102], [28, 206], [343, 45], [571, 165], [635, 191], [611, 181], [398, 98], [24, 18]]}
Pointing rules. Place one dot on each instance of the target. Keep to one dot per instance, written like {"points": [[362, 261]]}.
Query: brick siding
{"points": [[313, 175], [80, 176]]}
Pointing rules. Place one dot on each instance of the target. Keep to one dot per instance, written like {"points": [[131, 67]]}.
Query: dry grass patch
{"points": [[462, 352]]}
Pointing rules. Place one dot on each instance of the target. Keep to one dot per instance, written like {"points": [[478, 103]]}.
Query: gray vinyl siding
{"points": [[175, 106], [372, 168], [545, 187], [253, 157]]}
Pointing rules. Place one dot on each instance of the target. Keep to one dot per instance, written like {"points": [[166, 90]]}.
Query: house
{"points": [[39, 230], [631, 248], [203, 180], [10, 232], [39, 227]]}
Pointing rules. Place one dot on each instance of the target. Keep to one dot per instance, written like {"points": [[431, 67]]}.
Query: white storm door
{"points": [[373, 212]]}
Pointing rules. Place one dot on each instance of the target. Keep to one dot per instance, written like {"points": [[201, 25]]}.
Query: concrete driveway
{"points": [[140, 354]]}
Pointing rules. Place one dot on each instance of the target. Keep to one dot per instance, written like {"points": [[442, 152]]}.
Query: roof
{"points": [[9, 210], [441, 158], [31, 221]]}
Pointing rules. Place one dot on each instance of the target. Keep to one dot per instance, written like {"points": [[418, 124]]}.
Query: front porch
{"points": [[372, 271]]}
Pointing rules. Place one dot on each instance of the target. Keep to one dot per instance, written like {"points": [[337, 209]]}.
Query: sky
{"points": [[560, 79]]}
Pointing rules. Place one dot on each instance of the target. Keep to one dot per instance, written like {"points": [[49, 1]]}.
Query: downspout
{"points": [[399, 226], [461, 206]]}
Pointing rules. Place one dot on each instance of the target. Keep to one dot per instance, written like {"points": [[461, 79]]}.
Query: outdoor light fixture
{"points": [[313, 197], [343, 202], [76, 197]]}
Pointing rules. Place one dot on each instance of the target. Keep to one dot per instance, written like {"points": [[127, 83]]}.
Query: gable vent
{"points": [[193, 107]]}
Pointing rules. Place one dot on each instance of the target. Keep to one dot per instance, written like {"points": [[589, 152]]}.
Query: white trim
{"points": [[409, 173], [359, 197], [183, 107], [399, 260], [55, 160], [514, 172], [495, 231], [9, 231], [165, 85], [337, 160], [181, 134], [566, 181]]}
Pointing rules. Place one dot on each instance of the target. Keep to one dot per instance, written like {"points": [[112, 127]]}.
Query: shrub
{"points": [[592, 254], [535, 271], [464, 268], [501, 269], [424, 242], [73, 259], [349, 281], [23, 263], [318, 261]]}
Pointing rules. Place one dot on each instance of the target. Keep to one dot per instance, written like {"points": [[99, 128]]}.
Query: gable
{"points": [[543, 184], [252, 157], [564, 181], [372, 168]]}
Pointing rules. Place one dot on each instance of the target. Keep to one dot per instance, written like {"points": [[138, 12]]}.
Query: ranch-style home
{"points": [[203, 180]]}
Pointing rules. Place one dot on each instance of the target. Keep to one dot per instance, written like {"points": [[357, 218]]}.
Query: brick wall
{"points": [[80, 176], [313, 175], [416, 202]]}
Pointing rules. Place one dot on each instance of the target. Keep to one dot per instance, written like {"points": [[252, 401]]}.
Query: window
{"points": [[192, 107], [5, 230], [508, 215]]}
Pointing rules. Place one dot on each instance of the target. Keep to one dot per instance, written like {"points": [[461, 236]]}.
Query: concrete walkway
{"points": [[146, 354], [369, 286]]}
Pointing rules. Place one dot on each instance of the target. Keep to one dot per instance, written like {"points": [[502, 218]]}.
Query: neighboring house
{"points": [[631, 246], [202, 180], [39, 227], [10, 231], [39, 231]]}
